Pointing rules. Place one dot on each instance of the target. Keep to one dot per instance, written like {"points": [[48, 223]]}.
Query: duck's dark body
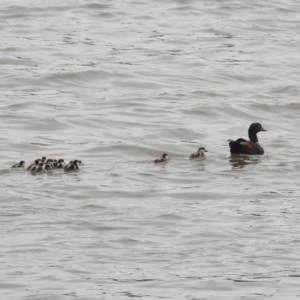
{"points": [[251, 147], [246, 147]]}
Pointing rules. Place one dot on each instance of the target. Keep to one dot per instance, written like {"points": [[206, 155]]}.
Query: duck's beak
{"points": [[263, 129], [205, 150]]}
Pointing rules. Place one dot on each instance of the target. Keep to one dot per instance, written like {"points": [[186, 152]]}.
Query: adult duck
{"points": [[251, 147]]}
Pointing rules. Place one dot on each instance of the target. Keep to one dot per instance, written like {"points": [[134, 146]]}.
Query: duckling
{"points": [[251, 147], [46, 167], [37, 168], [76, 164], [73, 165], [19, 165], [50, 162], [69, 166], [36, 162], [43, 159], [59, 163], [162, 159], [199, 153]]}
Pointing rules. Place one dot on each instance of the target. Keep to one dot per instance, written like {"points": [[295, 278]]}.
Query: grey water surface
{"points": [[116, 84]]}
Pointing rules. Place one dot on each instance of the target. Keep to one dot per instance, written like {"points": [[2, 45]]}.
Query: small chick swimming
{"points": [[50, 162], [37, 168], [198, 154], [59, 164], [19, 165], [162, 159], [73, 165], [47, 167], [36, 162]]}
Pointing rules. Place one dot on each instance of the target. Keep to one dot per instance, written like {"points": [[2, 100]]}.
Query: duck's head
{"points": [[256, 127]]}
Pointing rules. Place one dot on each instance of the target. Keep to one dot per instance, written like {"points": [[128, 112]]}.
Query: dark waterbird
{"points": [[251, 147]]}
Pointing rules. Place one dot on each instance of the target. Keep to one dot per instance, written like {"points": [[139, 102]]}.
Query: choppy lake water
{"points": [[116, 84]]}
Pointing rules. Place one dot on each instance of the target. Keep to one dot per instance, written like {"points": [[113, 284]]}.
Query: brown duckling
{"points": [[59, 164], [73, 165], [36, 162], [199, 153], [162, 159], [47, 167], [19, 165], [50, 162], [37, 168]]}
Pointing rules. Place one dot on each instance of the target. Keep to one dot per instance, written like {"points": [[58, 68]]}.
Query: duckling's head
{"points": [[202, 150]]}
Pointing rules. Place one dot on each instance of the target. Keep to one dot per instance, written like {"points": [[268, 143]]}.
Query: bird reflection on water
{"points": [[239, 161]]}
